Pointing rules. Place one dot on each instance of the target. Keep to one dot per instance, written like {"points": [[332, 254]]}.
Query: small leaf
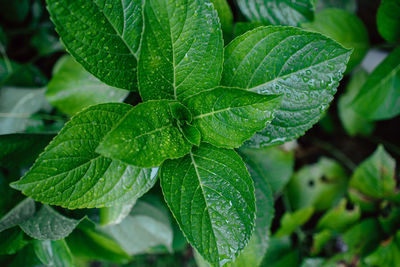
{"points": [[48, 224], [115, 214], [319, 241], [71, 174], [53, 253], [72, 88], [211, 195], [278, 12], [20, 213], [181, 50], [305, 67], [291, 221], [146, 136], [226, 117], [388, 20], [102, 36], [226, 17], [358, 242], [339, 218], [379, 98], [191, 133]]}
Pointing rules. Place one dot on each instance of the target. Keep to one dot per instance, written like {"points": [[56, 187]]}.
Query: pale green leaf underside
{"points": [[211, 195], [69, 173], [20, 213], [226, 117], [115, 214], [102, 35], [278, 12], [47, 224], [305, 67], [147, 135], [181, 51], [72, 88]]}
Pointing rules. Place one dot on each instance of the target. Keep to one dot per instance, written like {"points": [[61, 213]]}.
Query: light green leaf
{"points": [[306, 67], [344, 27], [12, 241], [20, 213], [101, 35], [387, 254], [339, 218], [115, 214], [181, 50], [291, 221], [211, 195], [147, 226], [353, 122], [148, 134], [16, 107], [72, 88], [226, 17], [277, 12], [53, 253], [379, 98], [388, 20], [69, 173], [226, 117], [348, 5], [48, 224]]}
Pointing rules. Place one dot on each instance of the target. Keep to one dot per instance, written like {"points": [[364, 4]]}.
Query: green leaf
{"points": [[181, 50], [277, 12], [211, 195], [147, 135], [191, 133], [20, 213], [115, 214], [306, 67], [344, 27], [281, 254], [339, 218], [243, 27], [20, 149], [12, 241], [53, 253], [348, 5], [69, 173], [353, 122], [48, 224], [274, 164], [387, 254], [72, 88], [379, 98], [103, 36], [225, 16], [147, 226], [388, 20], [375, 177], [319, 241], [26, 257], [291, 221], [16, 107], [226, 117], [14, 74]]}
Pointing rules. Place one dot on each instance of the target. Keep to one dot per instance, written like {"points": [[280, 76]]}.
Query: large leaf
{"points": [[72, 88], [103, 36], [148, 134], [182, 49], [211, 195], [71, 174], [379, 98], [388, 20], [306, 67], [344, 27], [277, 12], [53, 253], [226, 117], [20, 213], [48, 224]]}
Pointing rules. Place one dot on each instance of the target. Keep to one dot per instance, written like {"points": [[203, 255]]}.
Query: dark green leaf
{"points": [[306, 67], [278, 12], [71, 174], [103, 36], [243, 27], [14, 11], [339, 218], [226, 117], [20, 213], [53, 253], [72, 88], [14, 74], [181, 51], [147, 135], [212, 198], [225, 16], [291, 221], [387, 254], [281, 254], [12, 241], [388, 20], [191, 133]]}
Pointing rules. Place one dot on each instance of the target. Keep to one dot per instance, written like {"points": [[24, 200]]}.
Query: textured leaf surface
{"points": [[211, 195], [20, 213], [348, 5], [102, 35], [277, 12], [48, 224], [226, 117], [181, 51], [379, 97], [306, 67], [71, 174], [72, 88], [147, 135], [53, 253], [388, 20]]}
